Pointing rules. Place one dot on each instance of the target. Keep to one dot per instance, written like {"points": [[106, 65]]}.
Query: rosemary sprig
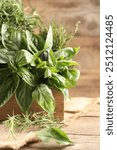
{"points": [[13, 14]]}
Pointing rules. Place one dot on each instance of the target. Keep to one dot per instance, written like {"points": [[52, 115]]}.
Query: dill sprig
{"points": [[18, 123]]}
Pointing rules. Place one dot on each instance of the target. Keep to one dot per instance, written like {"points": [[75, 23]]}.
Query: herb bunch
{"points": [[32, 64], [29, 66], [13, 14]]}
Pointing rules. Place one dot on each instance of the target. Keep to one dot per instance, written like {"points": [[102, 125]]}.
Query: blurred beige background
{"points": [[69, 12]]}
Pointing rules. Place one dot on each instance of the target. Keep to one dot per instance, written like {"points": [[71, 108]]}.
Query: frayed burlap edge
{"points": [[15, 145]]}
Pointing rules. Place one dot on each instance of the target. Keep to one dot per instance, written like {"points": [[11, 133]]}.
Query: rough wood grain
{"points": [[84, 131], [84, 126], [89, 55], [69, 12], [89, 59]]}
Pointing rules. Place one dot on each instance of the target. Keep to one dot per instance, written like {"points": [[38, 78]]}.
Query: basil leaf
{"points": [[56, 134], [23, 58], [24, 96], [4, 73], [48, 73], [59, 80], [27, 76], [12, 66], [66, 53], [65, 93], [49, 40], [16, 37], [51, 59], [6, 56], [3, 34], [32, 48], [42, 65], [3, 56], [63, 63], [44, 97], [8, 38], [71, 76], [7, 89], [38, 41]]}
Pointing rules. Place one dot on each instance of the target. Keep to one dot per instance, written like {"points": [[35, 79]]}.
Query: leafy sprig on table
{"points": [[48, 126]]}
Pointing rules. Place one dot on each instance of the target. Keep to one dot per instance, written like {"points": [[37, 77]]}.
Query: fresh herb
{"points": [[60, 35], [32, 64], [24, 67], [23, 122], [48, 134], [13, 14], [48, 126]]}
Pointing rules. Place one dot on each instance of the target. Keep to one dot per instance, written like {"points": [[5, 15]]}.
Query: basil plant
{"points": [[30, 68]]}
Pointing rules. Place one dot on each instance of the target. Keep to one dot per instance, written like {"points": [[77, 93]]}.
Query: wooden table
{"points": [[81, 124]]}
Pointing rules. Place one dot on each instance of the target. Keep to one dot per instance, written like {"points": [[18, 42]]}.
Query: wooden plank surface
{"points": [[89, 54], [82, 129], [81, 143], [84, 126], [89, 59]]}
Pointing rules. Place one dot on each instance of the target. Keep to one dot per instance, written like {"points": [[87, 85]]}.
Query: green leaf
{"points": [[27, 76], [63, 63], [32, 48], [4, 73], [3, 34], [3, 56], [38, 41], [66, 80], [65, 93], [17, 38], [23, 58], [59, 80], [72, 76], [37, 58], [12, 66], [24, 96], [66, 53], [42, 65], [48, 73], [8, 38], [7, 89], [44, 97], [49, 40], [56, 134], [51, 59], [6, 56]]}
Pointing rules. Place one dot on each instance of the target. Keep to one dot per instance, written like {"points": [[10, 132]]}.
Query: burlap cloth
{"points": [[17, 141], [73, 109]]}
